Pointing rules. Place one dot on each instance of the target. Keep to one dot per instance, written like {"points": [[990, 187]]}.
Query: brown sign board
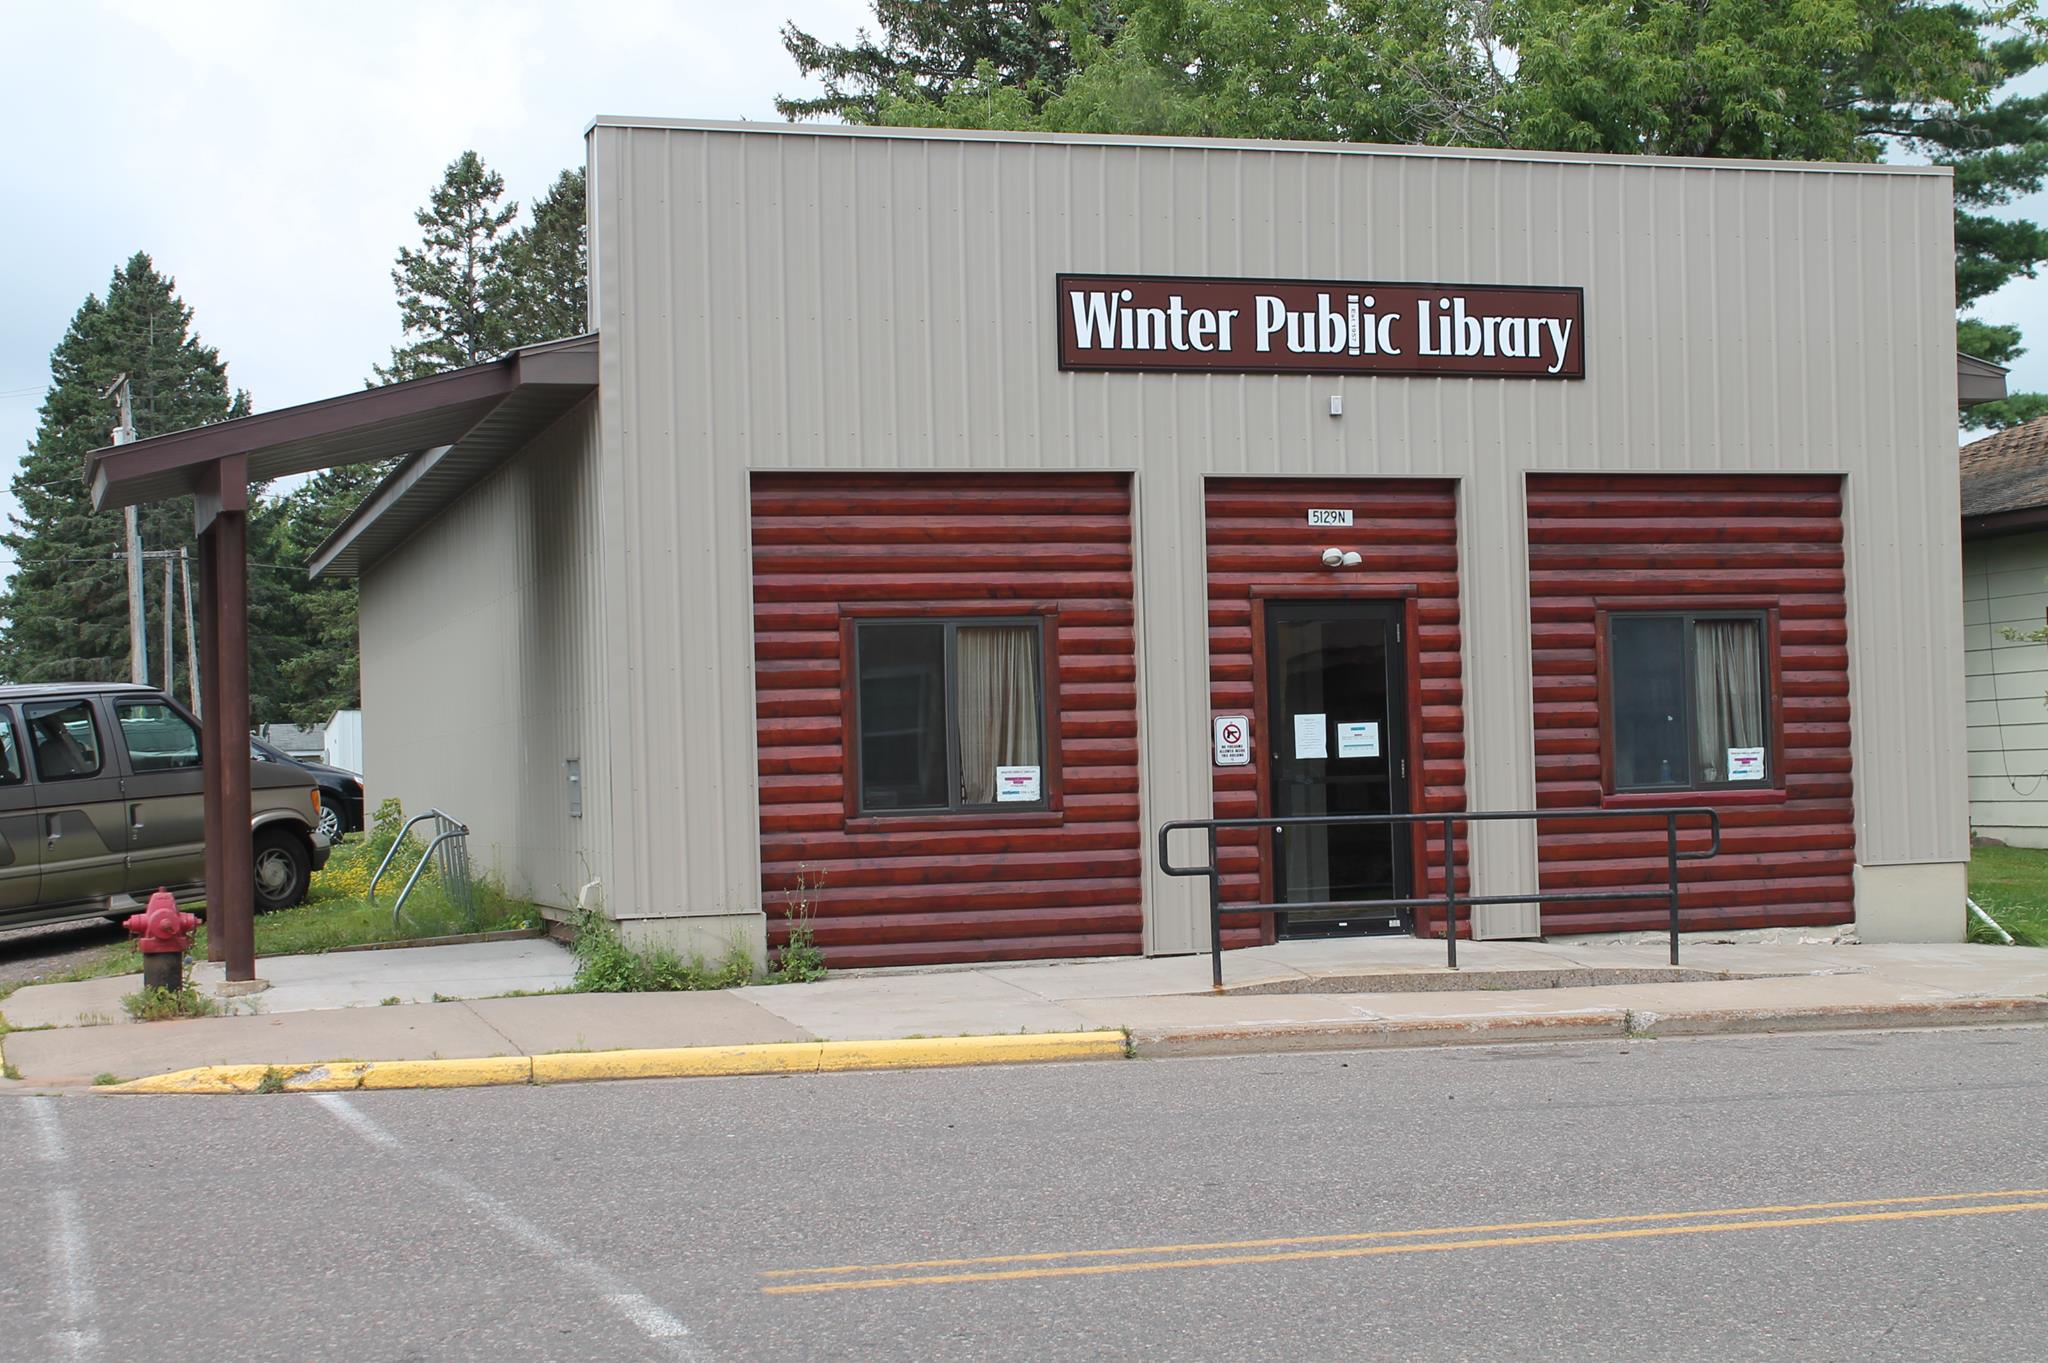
{"points": [[1171, 324]]}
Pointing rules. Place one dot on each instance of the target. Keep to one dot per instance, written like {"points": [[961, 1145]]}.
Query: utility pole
{"points": [[138, 641], [191, 635], [170, 632]]}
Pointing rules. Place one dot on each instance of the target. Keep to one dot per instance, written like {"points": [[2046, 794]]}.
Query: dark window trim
{"points": [[21, 753], [1766, 616], [35, 756], [1047, 811]]}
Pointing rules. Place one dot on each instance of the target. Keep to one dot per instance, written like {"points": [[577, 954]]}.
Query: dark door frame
{"points": [[1408, 595]]}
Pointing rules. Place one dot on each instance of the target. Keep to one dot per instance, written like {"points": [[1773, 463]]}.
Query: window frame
{"points": [[35, 752], [1048, 809], [1765, 617], [118, 704]]}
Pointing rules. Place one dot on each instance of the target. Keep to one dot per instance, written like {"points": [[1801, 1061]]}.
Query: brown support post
{"points": [[209, 759], [221, 508]]}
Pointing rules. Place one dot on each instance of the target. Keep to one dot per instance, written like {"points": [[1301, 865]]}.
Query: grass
{"points": [[2011, 884], [337, 911], [606, 964]]}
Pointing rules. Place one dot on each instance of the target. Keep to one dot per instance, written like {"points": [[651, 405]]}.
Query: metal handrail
{"points": [[1449, 899], [449, 849]]}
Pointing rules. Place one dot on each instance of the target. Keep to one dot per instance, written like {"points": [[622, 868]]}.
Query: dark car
{"points": [[341, 792]]}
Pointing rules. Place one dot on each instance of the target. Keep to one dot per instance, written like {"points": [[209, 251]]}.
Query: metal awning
{"points": [[483, 409]]}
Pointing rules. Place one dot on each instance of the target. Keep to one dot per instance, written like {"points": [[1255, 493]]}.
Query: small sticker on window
{"points": [[1745, 764], [1016, 785]]}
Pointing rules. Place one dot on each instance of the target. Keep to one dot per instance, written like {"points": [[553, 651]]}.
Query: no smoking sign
{"points": [[1233, 740]]}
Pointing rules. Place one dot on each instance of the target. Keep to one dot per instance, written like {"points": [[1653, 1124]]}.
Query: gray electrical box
{"points": [[575, 788]]}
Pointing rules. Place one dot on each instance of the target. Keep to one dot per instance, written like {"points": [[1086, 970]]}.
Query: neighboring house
{"points": [[307, 745], [2005, 593], [344, 744]]}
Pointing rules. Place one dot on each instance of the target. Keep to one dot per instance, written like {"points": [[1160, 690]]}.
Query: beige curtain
{"points": [[1728, 683], [998, 680]]}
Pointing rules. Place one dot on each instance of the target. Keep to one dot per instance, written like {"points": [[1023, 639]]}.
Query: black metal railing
{"points": [[1449, 899]]}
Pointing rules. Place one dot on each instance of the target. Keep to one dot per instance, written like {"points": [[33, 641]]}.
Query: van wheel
{"points": [[283, 870]]}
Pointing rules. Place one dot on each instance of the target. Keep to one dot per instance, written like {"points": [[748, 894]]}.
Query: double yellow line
{"points": [[1423, 1240]]}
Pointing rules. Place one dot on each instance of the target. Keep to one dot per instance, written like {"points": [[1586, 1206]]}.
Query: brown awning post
{"points": [[221, 512]]}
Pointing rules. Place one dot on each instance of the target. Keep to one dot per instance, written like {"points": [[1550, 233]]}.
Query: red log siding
{"points": [[1261, 547], [967, 887], [1695, 542]]}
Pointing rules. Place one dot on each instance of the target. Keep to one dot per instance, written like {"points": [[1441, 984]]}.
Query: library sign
{"points": [[1269, 326]]}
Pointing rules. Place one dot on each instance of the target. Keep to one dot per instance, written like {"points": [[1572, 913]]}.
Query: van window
{"points": [[10, 751], [64, 738], [157, 736]]}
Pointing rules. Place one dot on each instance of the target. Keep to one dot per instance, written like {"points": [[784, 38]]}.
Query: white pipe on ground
{"points": [[1988, 921]]}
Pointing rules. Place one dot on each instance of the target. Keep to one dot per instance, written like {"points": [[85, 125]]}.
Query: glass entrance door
{"points": [[1336, 698]]}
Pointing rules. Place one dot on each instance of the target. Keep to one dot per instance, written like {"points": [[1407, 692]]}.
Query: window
{"points": [[10, 751], [951, 715], [157, 736], [64, 738], [1688, 701]]}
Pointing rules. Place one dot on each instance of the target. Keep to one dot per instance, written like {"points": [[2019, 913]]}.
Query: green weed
{"points": [[161, 1005], [606, 964]]}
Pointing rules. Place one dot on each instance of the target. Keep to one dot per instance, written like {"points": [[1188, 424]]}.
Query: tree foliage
{"points": [[452, 290], [66, 605], [1831, 80]]}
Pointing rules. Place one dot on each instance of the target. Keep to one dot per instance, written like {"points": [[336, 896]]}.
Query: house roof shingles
{"points": [[2007, 471]]}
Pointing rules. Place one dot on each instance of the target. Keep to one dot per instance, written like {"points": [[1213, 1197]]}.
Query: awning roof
{"points": [[468, 420], [1978, 380]]}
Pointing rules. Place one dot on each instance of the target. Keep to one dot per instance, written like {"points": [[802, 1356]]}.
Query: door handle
{"points": [[135, 818], [56, 828]]}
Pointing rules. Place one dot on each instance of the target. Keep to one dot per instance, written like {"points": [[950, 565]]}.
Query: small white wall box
{"points": [[1336, 405]]}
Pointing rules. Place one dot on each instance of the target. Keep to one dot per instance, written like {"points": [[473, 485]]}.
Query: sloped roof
{"points": [[2006, 472]]}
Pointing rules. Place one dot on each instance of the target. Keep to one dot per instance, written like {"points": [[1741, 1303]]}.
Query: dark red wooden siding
{"points": [[968, 887], [1695, 542], [1261, 547]]}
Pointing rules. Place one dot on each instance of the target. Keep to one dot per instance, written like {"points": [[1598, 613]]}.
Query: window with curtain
{"points": [[1688, 700], [951, 715]]}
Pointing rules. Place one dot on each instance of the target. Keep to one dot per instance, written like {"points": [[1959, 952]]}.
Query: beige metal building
{"points": [[1642, 500]]}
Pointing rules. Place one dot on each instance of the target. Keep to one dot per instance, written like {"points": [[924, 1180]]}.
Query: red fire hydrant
{"points": [[166, 936]]}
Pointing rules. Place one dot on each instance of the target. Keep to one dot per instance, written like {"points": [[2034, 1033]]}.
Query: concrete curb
{"points": [[1597, 1024], [678, 1062]]}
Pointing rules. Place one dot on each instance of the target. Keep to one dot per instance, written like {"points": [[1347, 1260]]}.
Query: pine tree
{"points": [[323, 673], [66, 606], [547, 267], [452, 291]]}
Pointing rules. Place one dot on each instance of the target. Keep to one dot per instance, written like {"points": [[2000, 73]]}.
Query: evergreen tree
{"points": [[321, 672], [547, 267], [452, 291], [928, 47], [66, 606]]}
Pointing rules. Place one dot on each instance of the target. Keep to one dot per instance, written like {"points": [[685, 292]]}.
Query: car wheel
{"points": [[330, 824], [283, 868]]}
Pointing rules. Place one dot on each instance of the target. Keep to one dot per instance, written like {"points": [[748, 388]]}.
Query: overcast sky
{"points": [[270, 156]]}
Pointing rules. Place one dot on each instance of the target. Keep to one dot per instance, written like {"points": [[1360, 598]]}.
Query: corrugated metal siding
{"points": [[820, 300], [957, 887], [1259, 540], [482, 665], [2005, 587], [1787, 857]]}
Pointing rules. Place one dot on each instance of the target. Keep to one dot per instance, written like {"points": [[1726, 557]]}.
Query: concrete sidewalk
{"points": [[1340, 994]]}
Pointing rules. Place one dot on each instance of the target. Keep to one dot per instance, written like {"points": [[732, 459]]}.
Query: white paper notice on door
{"points": [[1745, 764], [1016, 784], [1358, 740], [1311, 736]]}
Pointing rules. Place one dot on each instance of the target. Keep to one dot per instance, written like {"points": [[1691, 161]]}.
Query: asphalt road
{"points": [[1832, 1197]]}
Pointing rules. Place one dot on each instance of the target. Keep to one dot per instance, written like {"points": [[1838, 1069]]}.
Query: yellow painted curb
{"points": [[676, 1062], [969, 1050]]}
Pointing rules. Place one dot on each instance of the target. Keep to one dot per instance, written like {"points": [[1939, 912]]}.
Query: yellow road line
{"points": [[1355, 1236], [1366, 1251]]}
